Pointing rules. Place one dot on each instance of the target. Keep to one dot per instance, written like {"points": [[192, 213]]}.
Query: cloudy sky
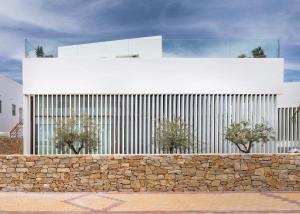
{"points": [[76, 21]]}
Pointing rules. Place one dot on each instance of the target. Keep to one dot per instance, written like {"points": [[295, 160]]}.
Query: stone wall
{"points": [[256, 172]]}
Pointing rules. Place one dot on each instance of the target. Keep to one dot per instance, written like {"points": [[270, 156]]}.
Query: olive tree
{"points": [[172, 135], [244, 136], [75, 135]]}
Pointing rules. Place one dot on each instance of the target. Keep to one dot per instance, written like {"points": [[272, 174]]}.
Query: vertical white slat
{"points": [[250, 109], [275, 122], [83, 112], [178, 106], [238, 107], [242, 112], [140, 125], [47, 124], [199, 119], [291, 131], [297, 135], [104, 99], [43, 122], [127, 124], [136, 124], [187, 118], [196, 125], [74, 111], [56, 120], [263, 101], [204, 122], [174, 105], [169, 104], [225, 125], [217, 130], [191, 116], [79, 111], [122, 124], [33, 124], [114, 124], [287, 130], [110, 133], [101, 123], [157, 149], [97, 123], [221, 124], [260, 97], [38, 124], [119, 125], [254, 113], [165, 105], [161, 117], [212, 120], [144, 123], [208, 130], [183, 108], [52, 146], [92, 113], [152, 124], [267, 110], [272, 120], [70, 112], [88, 115], [131, 124], [148, 120], [233, 120], [280, 128]]}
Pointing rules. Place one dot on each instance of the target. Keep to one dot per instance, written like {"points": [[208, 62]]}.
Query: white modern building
{"points": [[129, 87], [11, 102]]}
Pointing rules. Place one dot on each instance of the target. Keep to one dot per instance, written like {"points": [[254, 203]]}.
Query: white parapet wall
{"points": [[10, 94], [174, 75], [144, 47]]}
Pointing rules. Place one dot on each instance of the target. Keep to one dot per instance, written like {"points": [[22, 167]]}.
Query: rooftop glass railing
{"points": [[181, 48]]}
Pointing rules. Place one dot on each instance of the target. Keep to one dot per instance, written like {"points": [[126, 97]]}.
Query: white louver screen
{"points": [[128, 121]]}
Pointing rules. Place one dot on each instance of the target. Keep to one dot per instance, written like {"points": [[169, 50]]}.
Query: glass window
{"points": [[13, 110]]}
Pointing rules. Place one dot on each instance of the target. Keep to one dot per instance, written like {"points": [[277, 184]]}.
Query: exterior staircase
{"points": [[17, 131]]}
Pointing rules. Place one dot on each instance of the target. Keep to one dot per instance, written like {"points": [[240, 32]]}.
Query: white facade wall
{"points": [[155, 76], [130, 91], [10, 93], [145, 47], [290, 96]]}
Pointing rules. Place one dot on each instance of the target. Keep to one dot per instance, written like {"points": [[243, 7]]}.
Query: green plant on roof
{"points": [[258, 53], [39, 51], [242, 56]]}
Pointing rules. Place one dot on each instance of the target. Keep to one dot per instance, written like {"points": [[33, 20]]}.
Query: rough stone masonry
{"points": [[127, 173]]}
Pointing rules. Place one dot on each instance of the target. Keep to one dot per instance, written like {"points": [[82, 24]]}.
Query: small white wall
{"points": [[145, 47], [117, 76], [10, 93], [290, 96]]}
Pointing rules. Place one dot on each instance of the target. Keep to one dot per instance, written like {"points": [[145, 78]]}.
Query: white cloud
{"points": [[34, 12], [292, 66]]}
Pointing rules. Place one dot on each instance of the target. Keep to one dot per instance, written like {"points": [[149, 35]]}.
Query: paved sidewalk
{"points": [[284, 202]]}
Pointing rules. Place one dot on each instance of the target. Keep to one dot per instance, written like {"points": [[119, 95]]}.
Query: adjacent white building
{"points": [[11, 102], [129, 88]]}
